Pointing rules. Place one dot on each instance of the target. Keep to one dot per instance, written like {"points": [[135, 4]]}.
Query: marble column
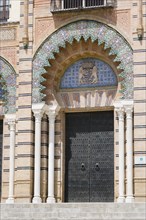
{"points": [[52, 112], [84, 5], [121, 197], [38, 113], [129, 158], [62, 4], [11, 122]]}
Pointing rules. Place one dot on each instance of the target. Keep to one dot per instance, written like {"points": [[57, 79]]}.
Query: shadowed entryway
{"points": [[89, 168]]}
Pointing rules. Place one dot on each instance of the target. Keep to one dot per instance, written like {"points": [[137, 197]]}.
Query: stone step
{"points": [[46, 218], [73, 211], [82, 206]]}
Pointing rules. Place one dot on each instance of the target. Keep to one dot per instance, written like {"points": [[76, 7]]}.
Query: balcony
{"points": [[67, 5]]}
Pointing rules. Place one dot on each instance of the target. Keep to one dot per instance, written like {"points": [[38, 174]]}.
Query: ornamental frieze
{"points": [[87, 99]]}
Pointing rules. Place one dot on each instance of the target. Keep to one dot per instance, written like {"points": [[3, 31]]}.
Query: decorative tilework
{"points": [[104, 73], [84, 29], [7, 86], [1, 91]]}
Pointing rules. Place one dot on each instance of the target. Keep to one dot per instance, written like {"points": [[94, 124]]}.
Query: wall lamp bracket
{"points": [[140, 33], [25, 42]]}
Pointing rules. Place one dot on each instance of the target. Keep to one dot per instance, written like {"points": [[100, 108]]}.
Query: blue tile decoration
{"points": [[104, 73], [1, 91], [7, 86], [84, 29]]}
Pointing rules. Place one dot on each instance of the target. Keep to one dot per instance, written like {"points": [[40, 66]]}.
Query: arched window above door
{"points": [[88, 73]]}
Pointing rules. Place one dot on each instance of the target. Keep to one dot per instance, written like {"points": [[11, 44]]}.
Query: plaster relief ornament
{"points": [[88, 73]]}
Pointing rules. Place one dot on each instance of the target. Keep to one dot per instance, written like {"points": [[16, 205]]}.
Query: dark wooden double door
{"points": [[89, 167]]}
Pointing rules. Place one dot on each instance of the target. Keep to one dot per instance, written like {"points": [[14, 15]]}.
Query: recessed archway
{"points": [[98, 33]]}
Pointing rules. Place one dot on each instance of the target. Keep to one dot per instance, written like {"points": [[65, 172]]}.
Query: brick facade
{"points": [[37, 25]]}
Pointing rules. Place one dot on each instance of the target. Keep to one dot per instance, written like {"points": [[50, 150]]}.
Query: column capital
{"points": [[120, 113], [129, 111], [128, 106], [38, 110], [52, 109], [11, 120], [118, 104]]}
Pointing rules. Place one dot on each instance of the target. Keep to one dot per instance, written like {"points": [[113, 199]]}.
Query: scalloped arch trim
{"points": [[8, 82], [84, 29]]}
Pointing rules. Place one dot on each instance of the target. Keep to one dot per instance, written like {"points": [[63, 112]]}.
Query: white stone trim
{"points": [[38, 110], [122, 107], [51, 110], [129, 149], [120, 112], [11, 119]]}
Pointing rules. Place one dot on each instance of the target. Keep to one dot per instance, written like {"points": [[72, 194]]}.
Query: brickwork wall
{"points": [[139, 48], [9, 50], [41, 23]]}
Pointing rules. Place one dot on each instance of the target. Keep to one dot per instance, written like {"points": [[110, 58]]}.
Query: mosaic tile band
{"points": [[84, 29]]}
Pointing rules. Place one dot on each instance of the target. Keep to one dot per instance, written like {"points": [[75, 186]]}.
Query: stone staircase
{"points": [[73, 211]]}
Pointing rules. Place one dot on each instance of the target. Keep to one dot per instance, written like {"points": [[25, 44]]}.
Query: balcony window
{"points": [[4, 10], [61, 5]]}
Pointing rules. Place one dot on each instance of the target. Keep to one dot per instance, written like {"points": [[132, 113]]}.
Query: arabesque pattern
{"points": [[84, 29], [8, 84]]}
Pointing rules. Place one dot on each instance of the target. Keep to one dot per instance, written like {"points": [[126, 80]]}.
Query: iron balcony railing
{"points": [[63, 5]]}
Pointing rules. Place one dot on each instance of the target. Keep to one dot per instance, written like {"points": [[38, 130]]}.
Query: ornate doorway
{"points": [[89, 168]]}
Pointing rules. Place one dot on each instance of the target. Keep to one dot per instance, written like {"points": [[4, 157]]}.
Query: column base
{"points": [[129, 199], [51, 200], [36, 200], [10, 201], [121, 199]]}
